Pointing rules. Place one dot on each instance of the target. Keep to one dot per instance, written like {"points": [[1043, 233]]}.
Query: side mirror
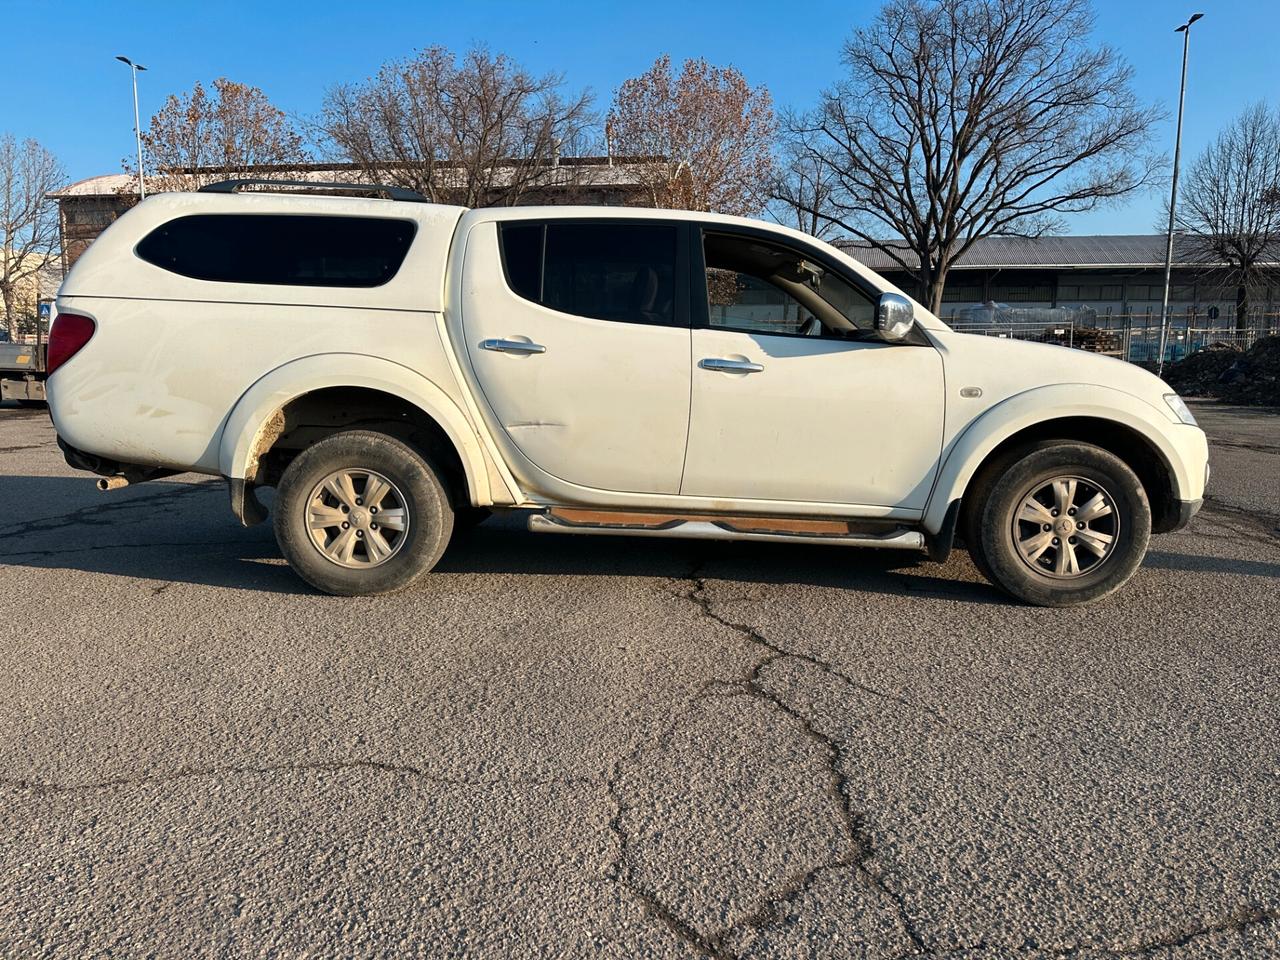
{"points": [[894, 318]]}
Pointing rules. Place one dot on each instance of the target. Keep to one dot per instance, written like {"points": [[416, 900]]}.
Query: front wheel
{"points": [[1065, 523], [360, 513]]}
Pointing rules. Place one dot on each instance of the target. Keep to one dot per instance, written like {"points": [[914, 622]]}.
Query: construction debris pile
{"points": [[1226, 373]]}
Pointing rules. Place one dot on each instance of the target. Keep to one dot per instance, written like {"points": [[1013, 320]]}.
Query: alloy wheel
{"points": [[357, 518], [1066, 527]]}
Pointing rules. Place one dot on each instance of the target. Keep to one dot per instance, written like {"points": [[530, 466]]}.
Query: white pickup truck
{"points": [[397, 368]]}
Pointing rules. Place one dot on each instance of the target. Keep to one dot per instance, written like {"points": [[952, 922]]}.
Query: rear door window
{"points": [[311, 251], [623, 272]]}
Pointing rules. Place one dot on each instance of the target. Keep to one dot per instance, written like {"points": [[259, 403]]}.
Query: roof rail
{"points": [[391, 193]]}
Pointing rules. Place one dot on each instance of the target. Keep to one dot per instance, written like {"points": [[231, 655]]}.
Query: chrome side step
{"points": [[731, 528]]}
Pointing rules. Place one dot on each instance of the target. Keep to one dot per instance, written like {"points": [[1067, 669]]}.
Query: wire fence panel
{"points": [[1134, 337]]}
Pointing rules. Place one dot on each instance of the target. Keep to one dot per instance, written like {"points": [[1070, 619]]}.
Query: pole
{"points": [[1185, 30], [137, 129]]}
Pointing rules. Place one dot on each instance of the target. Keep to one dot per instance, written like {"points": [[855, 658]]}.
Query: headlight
{"points": [[1180, 409]]}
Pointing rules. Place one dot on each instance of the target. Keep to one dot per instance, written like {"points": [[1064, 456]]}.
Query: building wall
{"points": [[1107, 293], [83, 218]]}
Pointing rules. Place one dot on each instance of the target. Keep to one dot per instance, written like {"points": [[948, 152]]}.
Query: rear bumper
{"points": [[88, 462], [105, 467]]}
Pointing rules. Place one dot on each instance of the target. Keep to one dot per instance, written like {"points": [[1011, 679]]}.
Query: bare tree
{"points": [[28, 224], [801, 187], [223, 134], [959, 119], [1229, 211], [476, 132], [703, 139]]}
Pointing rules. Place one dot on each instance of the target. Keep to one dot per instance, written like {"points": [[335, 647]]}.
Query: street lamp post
{"points": [[1185, 30], [137, 124]]}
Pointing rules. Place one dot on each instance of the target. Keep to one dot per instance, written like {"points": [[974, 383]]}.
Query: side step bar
{"points": [[852, 533]]}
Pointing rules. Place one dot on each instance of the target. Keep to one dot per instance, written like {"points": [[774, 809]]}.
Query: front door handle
{"points": [[730, 366], [512, 346]]}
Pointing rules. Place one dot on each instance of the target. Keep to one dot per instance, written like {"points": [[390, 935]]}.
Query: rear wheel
{"points": [[362, 513], [1064, 523]]}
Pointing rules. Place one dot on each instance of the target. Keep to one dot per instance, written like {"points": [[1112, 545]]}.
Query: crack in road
{"points": [[92, 516], [861, 851], [860, 857], [860, 854], [697, 596], [1238, 922], [41, 788], [37, 554]]}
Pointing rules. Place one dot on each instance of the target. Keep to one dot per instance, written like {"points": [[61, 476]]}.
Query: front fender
{"points": [[254, 412], [1179, 446]]}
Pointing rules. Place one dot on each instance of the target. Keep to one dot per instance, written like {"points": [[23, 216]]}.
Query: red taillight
{"points": [[69, 333]]}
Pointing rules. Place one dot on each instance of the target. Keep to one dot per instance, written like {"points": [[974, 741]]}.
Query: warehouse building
{"points": [[1102, 277]]}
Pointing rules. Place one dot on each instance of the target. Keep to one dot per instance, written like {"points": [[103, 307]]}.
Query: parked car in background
{"points": [[397, 369]]}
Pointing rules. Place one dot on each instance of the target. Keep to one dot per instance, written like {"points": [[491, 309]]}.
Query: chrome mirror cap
{"points": [[894, 317]]}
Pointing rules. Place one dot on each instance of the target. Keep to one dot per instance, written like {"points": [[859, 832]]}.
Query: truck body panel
{"points": [[628, 388]]}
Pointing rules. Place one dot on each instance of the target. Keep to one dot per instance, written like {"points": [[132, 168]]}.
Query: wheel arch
{"points": [[1117, 422], [260, 418]]}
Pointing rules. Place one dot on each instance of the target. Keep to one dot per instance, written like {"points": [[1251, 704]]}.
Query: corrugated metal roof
{"points": [[1094, 252]]}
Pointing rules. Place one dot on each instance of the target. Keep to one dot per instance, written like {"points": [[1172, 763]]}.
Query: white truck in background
{"points": [[396, 368]]}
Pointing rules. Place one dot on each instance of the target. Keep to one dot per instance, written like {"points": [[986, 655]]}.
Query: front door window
{"points": [[755, 286]]}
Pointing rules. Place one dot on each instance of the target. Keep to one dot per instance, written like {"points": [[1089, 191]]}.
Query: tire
{"points": [[1089, 550], [365, 556], [971, 520]]}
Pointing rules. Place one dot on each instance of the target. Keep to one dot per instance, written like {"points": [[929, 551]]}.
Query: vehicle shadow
{"points": [[503, 546], [183, 532], [1191, 563], [164, 531]]}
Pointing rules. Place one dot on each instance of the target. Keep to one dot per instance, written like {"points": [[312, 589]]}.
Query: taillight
{"points": [[69, 333]]}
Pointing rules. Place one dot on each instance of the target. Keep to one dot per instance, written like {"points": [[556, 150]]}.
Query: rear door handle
{"points": [[730, 366], [512, 346]]}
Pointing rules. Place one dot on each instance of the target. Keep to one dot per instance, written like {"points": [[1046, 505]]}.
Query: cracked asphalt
{"points": [[589, 747]]}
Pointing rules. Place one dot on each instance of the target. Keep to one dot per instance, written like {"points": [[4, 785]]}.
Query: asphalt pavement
{"points": [[597, 747]]}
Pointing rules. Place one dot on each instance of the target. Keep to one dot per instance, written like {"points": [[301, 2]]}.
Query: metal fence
{"points": [[1133, 337]]}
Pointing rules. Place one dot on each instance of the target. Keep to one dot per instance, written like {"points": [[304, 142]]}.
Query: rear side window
{"points": [[522, 258], [312, 251], [623, 272]]}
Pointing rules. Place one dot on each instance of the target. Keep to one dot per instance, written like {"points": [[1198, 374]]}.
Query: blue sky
{"points": [[63, 87]]}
